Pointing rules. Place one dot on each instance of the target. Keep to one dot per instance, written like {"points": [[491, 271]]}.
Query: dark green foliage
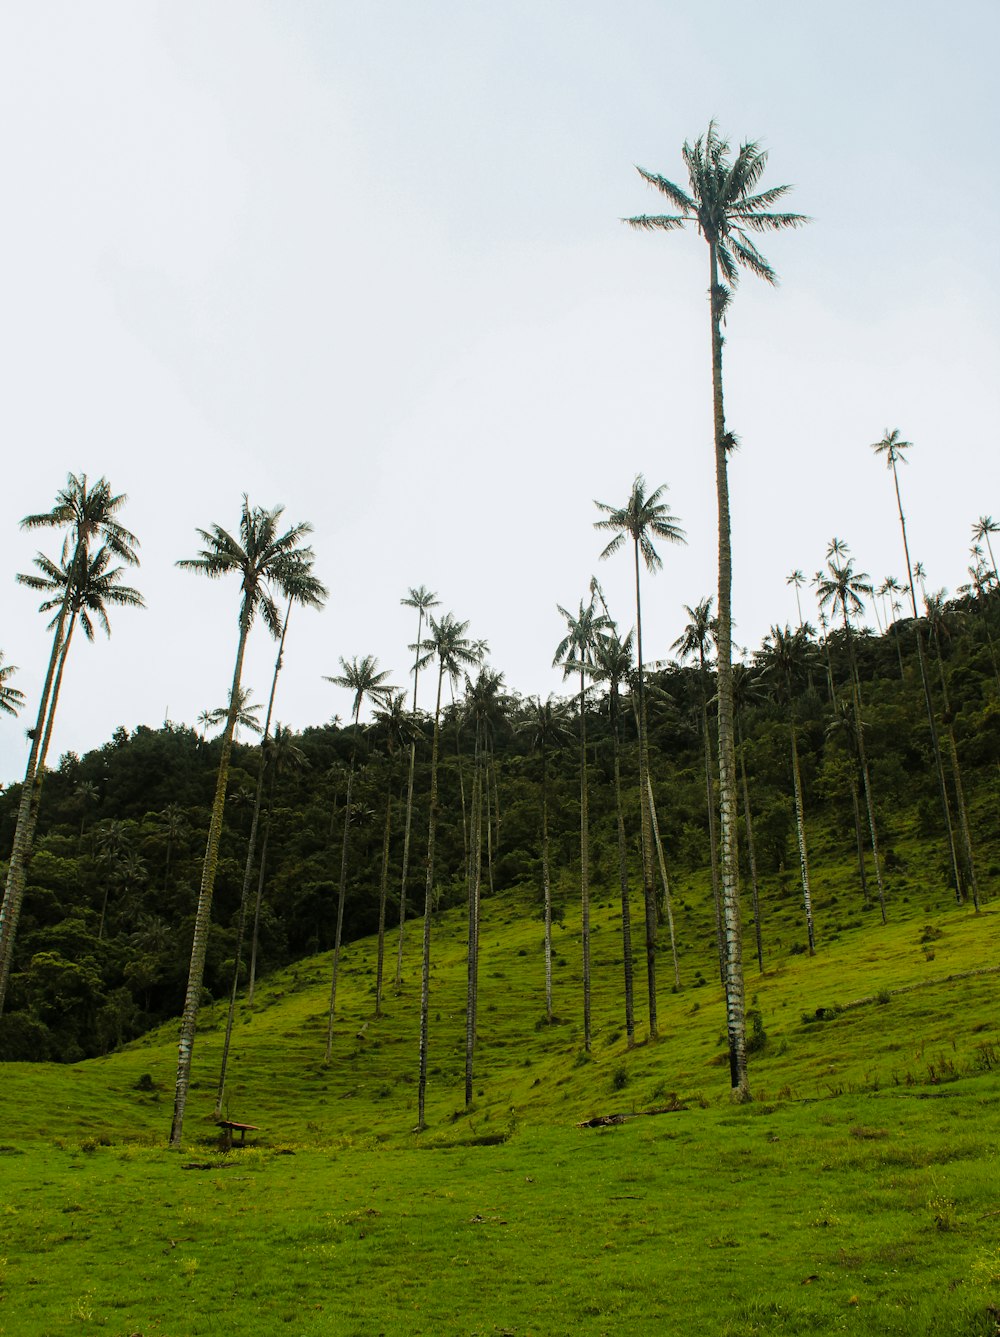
{"points": [[123, 829]]}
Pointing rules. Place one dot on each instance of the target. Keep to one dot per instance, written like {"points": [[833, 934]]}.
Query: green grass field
{"points": [[858, 1193]]}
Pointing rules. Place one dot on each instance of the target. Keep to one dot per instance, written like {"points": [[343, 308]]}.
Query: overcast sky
{"points": [[366, 261]]}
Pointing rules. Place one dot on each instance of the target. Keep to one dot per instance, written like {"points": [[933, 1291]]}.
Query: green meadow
{"points": [[859, 1192]]}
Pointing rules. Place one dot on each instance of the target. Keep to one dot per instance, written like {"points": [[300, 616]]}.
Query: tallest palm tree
{"points": [[90, 515], [726, 204], [265, 560]]}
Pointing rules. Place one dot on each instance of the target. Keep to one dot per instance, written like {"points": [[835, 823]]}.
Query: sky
{"points": [[366, 262]]}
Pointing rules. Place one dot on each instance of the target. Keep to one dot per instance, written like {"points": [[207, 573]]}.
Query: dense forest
{"points": [[104, 943]]}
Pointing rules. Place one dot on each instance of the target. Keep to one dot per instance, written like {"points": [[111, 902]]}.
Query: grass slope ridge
{"points": [[856, 1194]]}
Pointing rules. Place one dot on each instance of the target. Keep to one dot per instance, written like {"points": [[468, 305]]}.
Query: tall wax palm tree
{"points": [[91, 585], [266, 561], [305, 588], [89, 514], [889, 588], [548, 726], [798, 580], [643, 518], [695, 640], [449, 644], [894, 448], [95, 587], [612, 665], [982, 529], [785, 659], [11, 698], [396, 727], [575, 654], [843, 588], [365, 679], [940, 622], [423, 600], [724, 201], [485, 706]]}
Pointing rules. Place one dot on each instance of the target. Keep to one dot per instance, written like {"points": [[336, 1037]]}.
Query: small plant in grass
{"points": [[943, 1212], [619, 1079]]}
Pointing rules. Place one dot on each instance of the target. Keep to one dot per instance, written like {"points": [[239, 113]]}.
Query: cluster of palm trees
{"points": [[726, 201]]}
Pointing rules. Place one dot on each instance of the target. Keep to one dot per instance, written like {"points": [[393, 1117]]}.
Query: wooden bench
{"points": [[229, 1126]]}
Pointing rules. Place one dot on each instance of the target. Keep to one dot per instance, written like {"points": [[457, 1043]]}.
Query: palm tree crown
{"points": [[724, 203], [640, 517], [92, 585], [364, 678], [11, 699], [262, 557]]}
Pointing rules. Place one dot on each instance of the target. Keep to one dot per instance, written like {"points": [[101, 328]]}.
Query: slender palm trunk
{"points": [[248, 870], [648, 892], [258, 900], [960, 804], [751, 851], [203, 915], [546, 886], [382, 897], [928, 700], [409, 812], [425, 969], [860, 841], [475, 880], [865, 778], [735, 1006], [713, 846], [584, 867], [800, 831], [623, 876], [489, 822], [342, 889], [17, 869], [668, 905], [461, 778]]}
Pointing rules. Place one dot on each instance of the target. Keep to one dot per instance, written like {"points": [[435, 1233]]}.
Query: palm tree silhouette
{"points": [[11, 698], [641, 519], [575, 653], [366, 680], [893, 447], [486, 708], [982, 529], [266, 561], [612, 665], [395, 727], [89, 514], [726, 205], [798, 580], [785, 658], [423, 600], [843, 587], [449, 644], [695, 640], [94, 586], [547, 725], [941, 620]]}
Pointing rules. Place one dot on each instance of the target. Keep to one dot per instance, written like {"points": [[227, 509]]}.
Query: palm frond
{"points": [[677, 197]]}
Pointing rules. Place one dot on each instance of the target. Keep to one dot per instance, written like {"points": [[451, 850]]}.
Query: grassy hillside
{"points": [[856, 1194]]}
